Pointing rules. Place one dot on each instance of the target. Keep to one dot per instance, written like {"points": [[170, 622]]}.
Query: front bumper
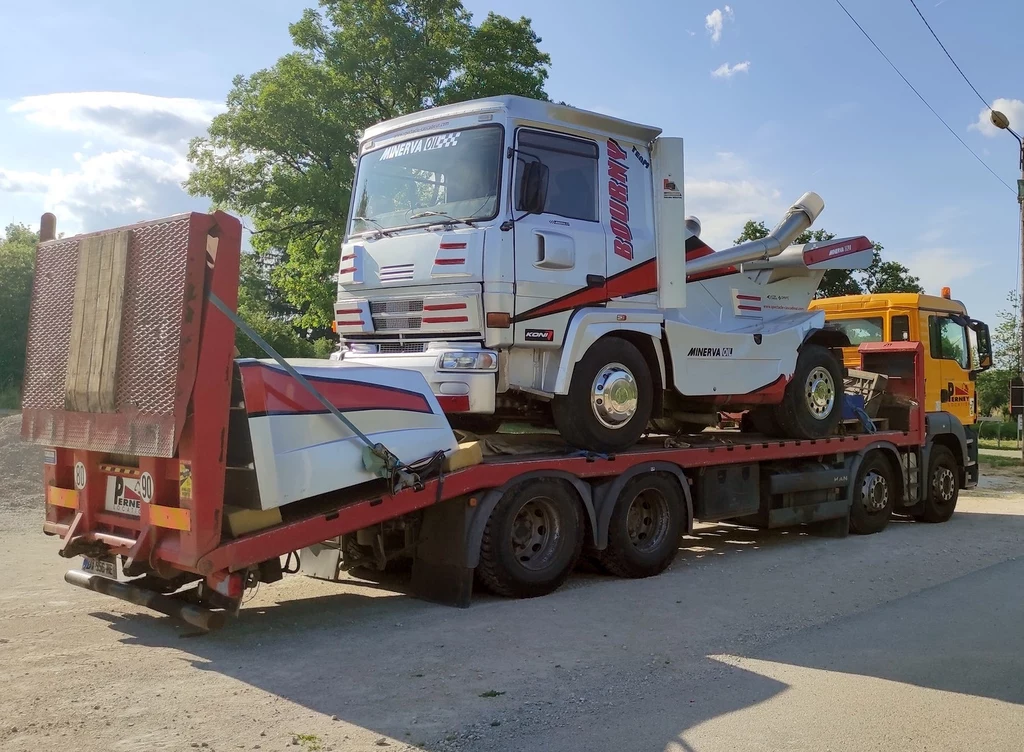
{"points": [[456, 391]]}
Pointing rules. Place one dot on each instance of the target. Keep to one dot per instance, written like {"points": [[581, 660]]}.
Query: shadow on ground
{"points": [[639, 652]]}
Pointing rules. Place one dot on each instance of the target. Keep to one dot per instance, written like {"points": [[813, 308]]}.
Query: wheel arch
{"points": [[945, 429], [483, 510], [892, 454], [640, 328], [830, 338]]}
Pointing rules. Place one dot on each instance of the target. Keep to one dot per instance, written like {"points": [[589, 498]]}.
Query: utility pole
{"points": [[999, 120]]}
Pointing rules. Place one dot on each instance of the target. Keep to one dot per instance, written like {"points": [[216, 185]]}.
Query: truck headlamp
{"points": [[468, 360]]}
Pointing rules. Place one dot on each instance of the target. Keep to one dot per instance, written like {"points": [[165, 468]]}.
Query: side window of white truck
{"points": [[572, 178]]}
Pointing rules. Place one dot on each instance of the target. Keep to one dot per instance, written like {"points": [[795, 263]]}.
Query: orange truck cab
{"points": [[956, 347]]}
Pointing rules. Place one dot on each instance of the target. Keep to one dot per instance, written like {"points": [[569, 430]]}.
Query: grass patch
{"points": [[1004, 444], [988, 460], [10, 398], [308, 742]]}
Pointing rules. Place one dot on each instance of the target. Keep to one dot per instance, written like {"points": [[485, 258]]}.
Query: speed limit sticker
{"points": [[79, 475], [146, 487]]}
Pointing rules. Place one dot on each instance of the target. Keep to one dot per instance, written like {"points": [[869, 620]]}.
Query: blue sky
{"points": [[800, 102]]}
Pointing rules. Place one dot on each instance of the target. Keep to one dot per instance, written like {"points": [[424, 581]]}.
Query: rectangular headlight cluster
{"points": [[468, 360]]}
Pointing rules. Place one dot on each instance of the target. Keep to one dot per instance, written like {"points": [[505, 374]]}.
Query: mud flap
{"points": [[439, 571]]}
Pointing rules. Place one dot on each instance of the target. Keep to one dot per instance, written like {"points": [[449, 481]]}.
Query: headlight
{"points": [[362, 348], [468, 360]]}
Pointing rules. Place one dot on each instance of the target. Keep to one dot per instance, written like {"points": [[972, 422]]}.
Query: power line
{"points": [[925, 101], [964, 75]]}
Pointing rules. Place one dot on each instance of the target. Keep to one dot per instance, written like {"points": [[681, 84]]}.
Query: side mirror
{"points": [[984, 344], [533, 187]]}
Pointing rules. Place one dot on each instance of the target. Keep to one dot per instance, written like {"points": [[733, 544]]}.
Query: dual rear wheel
{"points": [[535, 534]]}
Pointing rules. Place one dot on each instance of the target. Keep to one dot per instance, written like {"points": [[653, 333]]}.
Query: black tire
{"points": [[874, 495], [943, 486], [532, 540], [807, 414], [645, 526], [576, 416]]}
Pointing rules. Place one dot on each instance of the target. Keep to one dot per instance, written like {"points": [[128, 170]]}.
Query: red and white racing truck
{"points": [[184, 476]]}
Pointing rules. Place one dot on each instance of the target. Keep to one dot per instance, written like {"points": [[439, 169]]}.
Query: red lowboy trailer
{"points": [[142, 413]]}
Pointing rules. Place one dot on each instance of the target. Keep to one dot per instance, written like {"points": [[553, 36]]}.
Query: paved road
{"points": [[907, 640]]}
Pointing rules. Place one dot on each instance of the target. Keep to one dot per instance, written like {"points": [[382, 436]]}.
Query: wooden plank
{"points": [[96, 324]]}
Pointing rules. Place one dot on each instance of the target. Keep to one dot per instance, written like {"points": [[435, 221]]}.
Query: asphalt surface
{"points": [[912, 639]]}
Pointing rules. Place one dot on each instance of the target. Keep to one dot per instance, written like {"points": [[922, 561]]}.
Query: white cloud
{"points": [[940, 267], [724, 202], [715, 20], [124, 118], [133, 162], [1012, 108], [728, 71]]}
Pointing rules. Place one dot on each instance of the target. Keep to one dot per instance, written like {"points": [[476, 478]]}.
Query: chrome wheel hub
{"points": [[943, 483], [820, 393], [875, 492], [613, 396]]}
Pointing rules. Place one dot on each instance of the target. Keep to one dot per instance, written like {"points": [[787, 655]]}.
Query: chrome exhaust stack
{"points": [[801, 216]]}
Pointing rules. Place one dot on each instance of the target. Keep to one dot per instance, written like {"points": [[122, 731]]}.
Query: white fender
{"points": [[590, 324]]}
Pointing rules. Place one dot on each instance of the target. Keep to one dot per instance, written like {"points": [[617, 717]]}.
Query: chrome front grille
{"points": [[382, 323], [396, 306], [399, 348]]}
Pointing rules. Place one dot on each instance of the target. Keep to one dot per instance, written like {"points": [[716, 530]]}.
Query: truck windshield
{"points": [[446, 176], [859, 330]]}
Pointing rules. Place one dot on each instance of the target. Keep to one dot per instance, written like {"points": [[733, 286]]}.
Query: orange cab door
{"points": [[950, 348]]}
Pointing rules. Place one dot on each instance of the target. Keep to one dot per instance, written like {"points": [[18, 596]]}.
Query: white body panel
{"points": [[605, 254], [301, 450]]}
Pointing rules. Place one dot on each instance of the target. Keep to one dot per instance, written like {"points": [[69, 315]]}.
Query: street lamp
{"points": [[999, 120]]}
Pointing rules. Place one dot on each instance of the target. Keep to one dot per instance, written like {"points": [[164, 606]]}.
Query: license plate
{"points": [[106, 566], [123, 496]]}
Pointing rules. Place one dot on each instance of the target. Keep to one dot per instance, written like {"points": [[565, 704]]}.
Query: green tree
{"points": [[282, 153], [880, 277], [17, 260], [993, 386]]}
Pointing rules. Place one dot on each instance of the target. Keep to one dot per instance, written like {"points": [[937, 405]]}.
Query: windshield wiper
{"points": [[432, 213], [380, 228]]}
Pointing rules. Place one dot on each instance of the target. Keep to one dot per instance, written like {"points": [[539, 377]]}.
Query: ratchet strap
{"points": [[377, 458]]}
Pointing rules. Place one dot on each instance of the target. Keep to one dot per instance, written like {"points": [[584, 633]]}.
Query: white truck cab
{"points": [[533, 260]]}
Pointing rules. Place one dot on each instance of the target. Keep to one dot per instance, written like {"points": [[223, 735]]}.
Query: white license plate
{"points": [[107, 566], [123, 496]]}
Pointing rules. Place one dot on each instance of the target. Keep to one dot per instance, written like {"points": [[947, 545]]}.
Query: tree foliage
{"points": [[993, 386], [880, 277], [17, 260], [282, 153]]}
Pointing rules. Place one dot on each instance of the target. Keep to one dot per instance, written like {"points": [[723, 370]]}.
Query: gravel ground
{"points": [[906, 640]]}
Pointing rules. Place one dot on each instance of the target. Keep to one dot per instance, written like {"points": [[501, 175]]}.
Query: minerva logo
{"points": [[710, 352], [840, 250]]}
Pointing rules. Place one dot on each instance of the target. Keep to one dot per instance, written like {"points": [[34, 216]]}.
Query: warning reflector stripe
{"points": [[62, 497], [124, 472], [172, 518]]}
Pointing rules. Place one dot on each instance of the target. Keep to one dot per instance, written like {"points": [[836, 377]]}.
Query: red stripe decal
{"points": [[444, 319], [452, 246], [837, 250], [748, 297], [360, 322], [343, 311], [453, 403], [444, 307], [269, 390], [749, 308], [348, 257], [346, 270], [449, 262]]}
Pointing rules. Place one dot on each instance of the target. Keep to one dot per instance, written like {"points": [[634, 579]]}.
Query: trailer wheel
{"points": [[644, 529], [874, 492], [532, 540], [943, 486], [610, 398], [812, 404]]}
